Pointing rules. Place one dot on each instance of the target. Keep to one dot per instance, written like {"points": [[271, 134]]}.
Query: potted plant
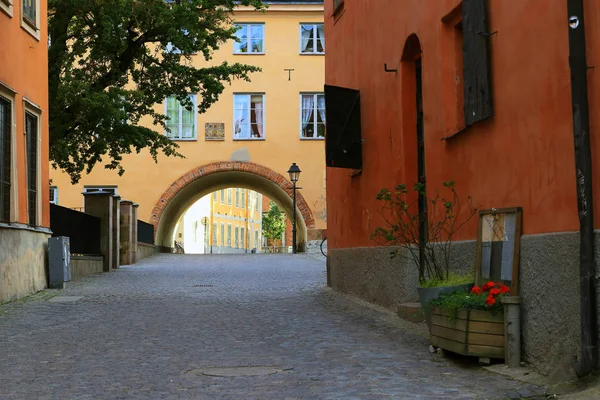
{"points": [[424, 235], [471, 324]]}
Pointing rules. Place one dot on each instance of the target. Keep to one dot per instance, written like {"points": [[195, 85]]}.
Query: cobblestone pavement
{"points": [[153, 330]]}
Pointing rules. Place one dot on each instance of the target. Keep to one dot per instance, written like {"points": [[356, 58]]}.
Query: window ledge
{"points": [[182, 140], [312, 138], [24, 227], [6, 8], [33, 31], [250, 140], [249, 54], [312, 54]]}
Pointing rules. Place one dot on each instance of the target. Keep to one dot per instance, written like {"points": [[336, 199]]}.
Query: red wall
{"points": [[522, 156]]}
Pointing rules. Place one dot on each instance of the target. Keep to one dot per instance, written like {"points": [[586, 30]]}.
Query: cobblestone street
{"points": [[170, 326]]}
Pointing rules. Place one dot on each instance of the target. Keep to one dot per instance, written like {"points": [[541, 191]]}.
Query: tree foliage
{"points": [[112, 61], [273, 223]]}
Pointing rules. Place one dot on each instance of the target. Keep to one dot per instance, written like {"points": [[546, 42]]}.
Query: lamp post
{"points": [[294, 172]]}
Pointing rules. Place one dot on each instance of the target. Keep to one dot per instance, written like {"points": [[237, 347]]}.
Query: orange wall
{"points": [[24, 69], [523, 156]]}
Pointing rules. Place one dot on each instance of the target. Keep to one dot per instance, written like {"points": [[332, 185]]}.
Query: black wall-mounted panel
{"points": [[343, 137], [477, 82]]}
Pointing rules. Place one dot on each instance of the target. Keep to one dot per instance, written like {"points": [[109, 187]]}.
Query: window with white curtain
{"points": [[182, 122], [251, 39], [312, 39], [248, 116], [312, 116]]}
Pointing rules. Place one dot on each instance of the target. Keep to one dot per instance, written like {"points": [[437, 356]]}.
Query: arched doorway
{"points": [[206, 179], [413, 128]]}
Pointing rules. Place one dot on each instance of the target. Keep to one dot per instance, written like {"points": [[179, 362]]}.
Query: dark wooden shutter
{"points": [[477, 82], [31, 130], [5, 157], [343, 137]]}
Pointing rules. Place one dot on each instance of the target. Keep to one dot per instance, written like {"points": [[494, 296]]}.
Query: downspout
{"points": [[583, 167]]}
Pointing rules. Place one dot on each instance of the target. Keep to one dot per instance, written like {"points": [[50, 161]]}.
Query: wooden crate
{"points": [[469, 332]]}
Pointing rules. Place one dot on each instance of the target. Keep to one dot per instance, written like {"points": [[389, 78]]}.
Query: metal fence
{"points": [[145, 232], [82, 229]]}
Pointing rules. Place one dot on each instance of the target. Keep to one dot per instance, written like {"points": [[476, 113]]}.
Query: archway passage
{"points": [[206, 179]]}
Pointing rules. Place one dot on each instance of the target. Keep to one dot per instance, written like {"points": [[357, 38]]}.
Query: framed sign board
{"points": [[498, 247]]}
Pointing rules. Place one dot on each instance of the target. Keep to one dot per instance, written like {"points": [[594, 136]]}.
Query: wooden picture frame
{"points": [[499, 242]]}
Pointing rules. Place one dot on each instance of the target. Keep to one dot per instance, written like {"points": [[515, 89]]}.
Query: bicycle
{"points": [[179, 248], [322, 243]]}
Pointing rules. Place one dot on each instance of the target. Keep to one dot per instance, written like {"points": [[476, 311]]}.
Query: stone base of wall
{"points": [[145, 250], [23, 259], [85, 265], [549, 286]]}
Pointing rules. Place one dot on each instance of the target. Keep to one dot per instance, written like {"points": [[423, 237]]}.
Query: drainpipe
{"points": [[583, 167]]}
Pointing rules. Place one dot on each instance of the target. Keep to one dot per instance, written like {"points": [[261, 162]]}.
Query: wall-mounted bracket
{"points": [[289, 71], [487, 34], [385, 67]]}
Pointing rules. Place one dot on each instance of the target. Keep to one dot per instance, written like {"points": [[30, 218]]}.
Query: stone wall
{"points": [[548, 279], [145, 250], [23, 261], [85, 265]]}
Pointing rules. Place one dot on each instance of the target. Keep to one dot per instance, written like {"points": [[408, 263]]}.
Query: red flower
{"points": [[494, 292], [488, 286], [504, 289], [490, 300], [476, 290]]}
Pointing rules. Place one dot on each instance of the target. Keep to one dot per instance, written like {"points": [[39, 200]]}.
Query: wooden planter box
{"points": [[470, 333]]}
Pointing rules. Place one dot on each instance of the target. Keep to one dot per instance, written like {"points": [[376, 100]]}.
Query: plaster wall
{"points": [[23, 259]]}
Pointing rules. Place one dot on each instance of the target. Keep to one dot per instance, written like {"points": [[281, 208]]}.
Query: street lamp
{"points": [[294, 172]]}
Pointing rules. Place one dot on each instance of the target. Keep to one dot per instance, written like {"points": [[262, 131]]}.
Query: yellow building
{"points": [[248, 139]]}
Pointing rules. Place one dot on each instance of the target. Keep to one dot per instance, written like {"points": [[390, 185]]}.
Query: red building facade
{"points": [[517, 151]]}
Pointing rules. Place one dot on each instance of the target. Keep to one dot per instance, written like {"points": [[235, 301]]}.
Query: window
{"points": [[251, 39], [237, 197], [5, 157], [29, 11], [7, 7], [312, 39], [257, 201], [242, 238], [248, 116], [222, 196], [215, 197], [92, 189], [31, 133], [222, 243], [237, 237], [53, 195], [182, 122], [256, 238], [228, 235], [214, 234], [228, 196], [312, 116], [243, 198]]}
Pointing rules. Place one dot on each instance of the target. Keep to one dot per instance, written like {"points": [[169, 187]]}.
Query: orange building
{"points": [[24, 192], [506, 143]]}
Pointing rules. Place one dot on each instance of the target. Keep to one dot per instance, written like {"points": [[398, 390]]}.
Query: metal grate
{"points": [[5, 157], [203, 285]]}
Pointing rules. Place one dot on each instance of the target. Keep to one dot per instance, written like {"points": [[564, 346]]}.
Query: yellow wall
{"points": [[144, 181], [248, 217]]}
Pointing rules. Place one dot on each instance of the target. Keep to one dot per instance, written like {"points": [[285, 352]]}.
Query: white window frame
{"points": [[315, 31], [9, 95], [264, 116], [101, 188], [248, 26], [229, 235], [222, 235], [54, 195], [7, 7], [315, 111], [179, 128], [27, 25]]}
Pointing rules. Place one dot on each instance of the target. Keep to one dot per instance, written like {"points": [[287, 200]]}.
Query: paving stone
{"points": [[135, 333]]}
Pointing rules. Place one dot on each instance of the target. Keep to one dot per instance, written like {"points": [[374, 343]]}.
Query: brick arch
{"points": [[230, 166]]}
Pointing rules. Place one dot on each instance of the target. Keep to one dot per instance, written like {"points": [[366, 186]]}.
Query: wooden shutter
{"points": [[343, 137], [5, 157], [477, 82], [31, 129]]}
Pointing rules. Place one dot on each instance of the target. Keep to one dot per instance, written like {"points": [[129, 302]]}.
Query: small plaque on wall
{"points": [[214, 131]]}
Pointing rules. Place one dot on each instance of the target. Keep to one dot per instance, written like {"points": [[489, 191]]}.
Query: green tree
{"points": [[112, 61], [273, 222]]}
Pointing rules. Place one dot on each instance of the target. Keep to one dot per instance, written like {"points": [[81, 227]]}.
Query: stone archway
{"points": [[204, 180]]}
